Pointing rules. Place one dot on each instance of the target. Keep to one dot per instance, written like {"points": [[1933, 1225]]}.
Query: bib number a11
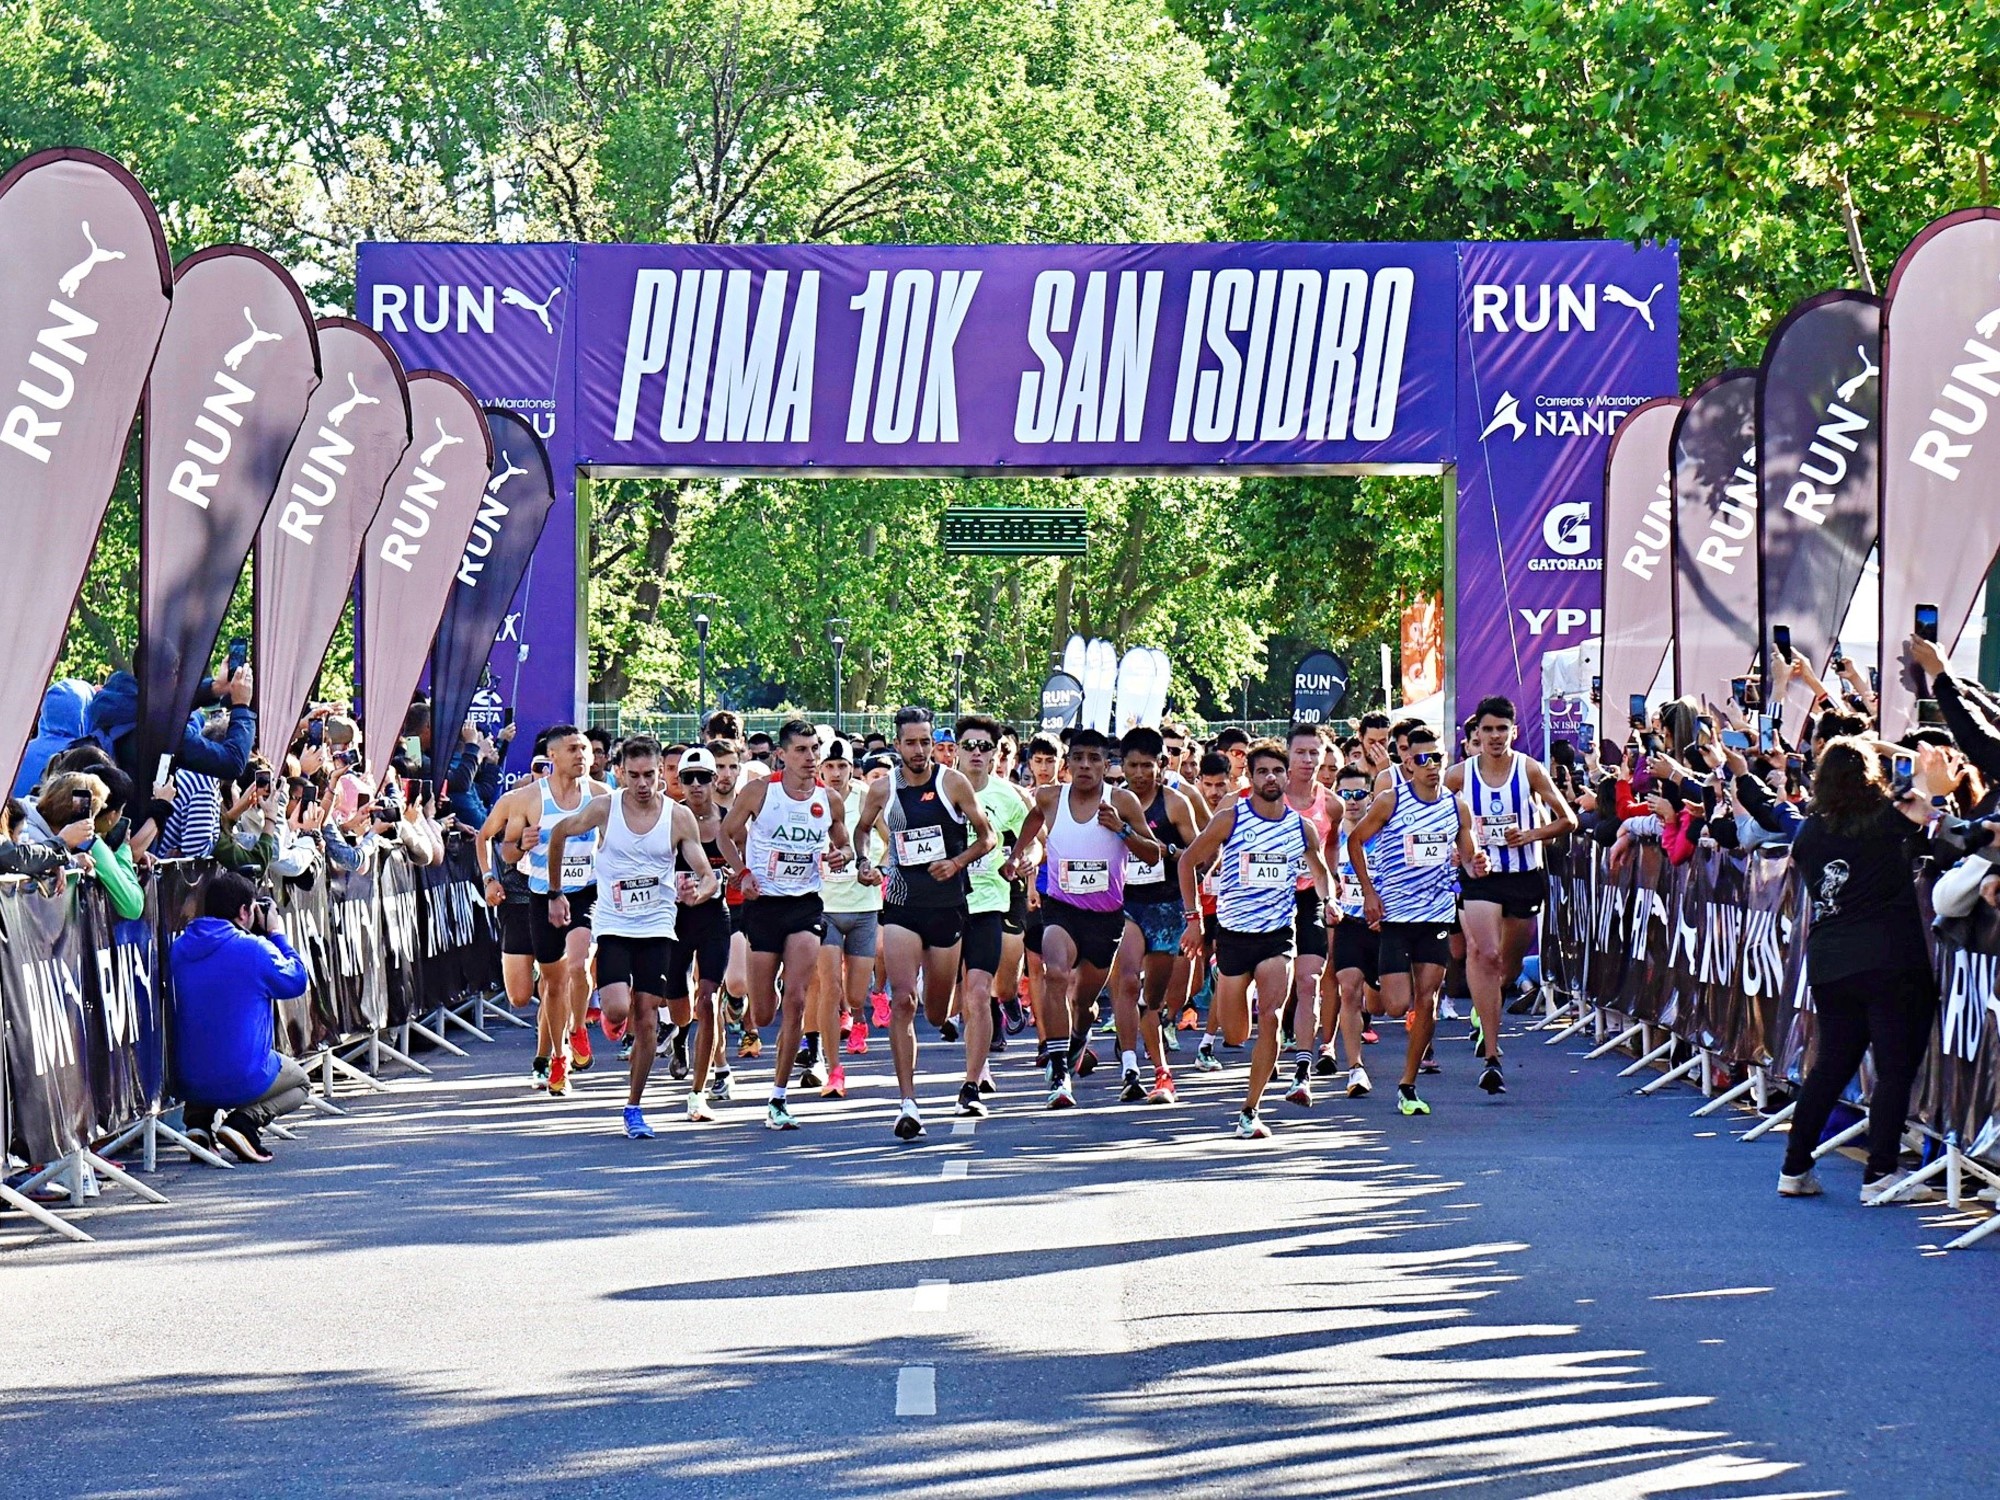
{"points": [[640, 895]]}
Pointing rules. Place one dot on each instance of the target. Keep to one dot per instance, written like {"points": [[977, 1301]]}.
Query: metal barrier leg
{"points": [[1581, 1023], [490, 1012], [435, 1039], [1769, 1123], [346, 1069], [379, 1049], [153, 1127], [1979, 1231], [1833, 1143], [1646, 1060], [42, 1216], [1637, 1028], [1693, 1065], [1724, 1100], [447, 1017]]}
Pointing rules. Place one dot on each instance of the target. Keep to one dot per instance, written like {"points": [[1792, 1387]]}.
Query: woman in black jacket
{"points": [[1866, 957]]}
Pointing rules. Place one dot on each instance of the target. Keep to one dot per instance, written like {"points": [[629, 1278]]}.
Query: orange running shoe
{"points": [[579, 1050]]}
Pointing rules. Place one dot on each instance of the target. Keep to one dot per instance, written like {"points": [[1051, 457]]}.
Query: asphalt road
{"points": [[467, 1288]]}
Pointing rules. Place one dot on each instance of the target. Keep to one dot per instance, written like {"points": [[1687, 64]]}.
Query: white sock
{"points": [[1212, 1040], [909, 1106], [777, 1093], [1129, 1060]]}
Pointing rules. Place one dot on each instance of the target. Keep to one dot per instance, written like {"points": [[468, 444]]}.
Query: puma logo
{"points": [[444, 441], [346, 408], [1869, 368], [234, 358], [71, 281], [1617, 294], [493, 485], [515, 297]]}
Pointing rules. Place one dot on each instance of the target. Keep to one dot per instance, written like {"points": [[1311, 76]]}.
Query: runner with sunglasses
{"points": [[1304, 751], [701, 948], [1357, 946], [992, 894], [1505, 792], [1407, 852]]}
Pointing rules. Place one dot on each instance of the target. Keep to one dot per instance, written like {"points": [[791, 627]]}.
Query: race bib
{"points": [[847, 874], [1492, 829], [988, 863], [1137, 872], [1211, 882], [919, 846], [639, 895], [577, 869], [792, 864], [1083, 877], [1259, 871], [1426, 851]]}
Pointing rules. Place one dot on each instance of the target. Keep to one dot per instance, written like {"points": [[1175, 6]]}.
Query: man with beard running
{"points": [[1504, 791], [1357, 945], [562, 945], [935, 828], [1088, 829], [1149, 956], [639, 834], [1259, 845], [778, 834], [1421, 837]]}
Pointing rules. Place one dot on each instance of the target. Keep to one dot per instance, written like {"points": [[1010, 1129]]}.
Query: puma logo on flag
{"points": [[1506, 413], [493, 485], [346, 408], [515, 297], [445, 440], [1617, 294], [233, 360], [1869, 368], [71, 281]]}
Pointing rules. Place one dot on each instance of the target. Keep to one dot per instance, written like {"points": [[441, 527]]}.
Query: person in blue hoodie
{"points": [[228, 966], [63, 708], [114, 714]]}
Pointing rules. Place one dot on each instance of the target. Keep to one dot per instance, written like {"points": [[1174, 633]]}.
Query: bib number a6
{"points": [[1083, 877]]}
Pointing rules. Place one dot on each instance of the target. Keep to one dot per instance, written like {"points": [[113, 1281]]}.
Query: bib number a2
{"points": [[1427, 851]]}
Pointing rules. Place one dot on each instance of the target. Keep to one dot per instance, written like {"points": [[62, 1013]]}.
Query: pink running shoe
{"points": [[857, 1040], [880, 1001], [836, 1084]]}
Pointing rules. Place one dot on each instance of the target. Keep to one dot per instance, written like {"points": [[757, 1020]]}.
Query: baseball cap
{"points": [[837, 749], [942, 735], [878, 760], [696, 760]]}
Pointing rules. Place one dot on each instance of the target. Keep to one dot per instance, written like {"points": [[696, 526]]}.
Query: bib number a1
{"points": [[1491, 830], [919, 846], [1261, 871], [1083, 877], [643, 894], [1427, 851]]}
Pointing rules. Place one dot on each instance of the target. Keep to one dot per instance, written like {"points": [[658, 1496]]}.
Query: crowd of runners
{"points": [[1137, 893]]}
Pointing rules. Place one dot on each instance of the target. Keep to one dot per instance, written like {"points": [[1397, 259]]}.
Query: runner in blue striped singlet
{"points": [[1407, 852], [1515, 806], [1259, 846]]}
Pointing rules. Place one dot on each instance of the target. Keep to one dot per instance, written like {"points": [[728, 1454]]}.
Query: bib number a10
{"points": [[1261, 871]]}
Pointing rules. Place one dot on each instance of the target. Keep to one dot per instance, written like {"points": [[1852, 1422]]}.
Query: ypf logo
{"points": [[1566, 529]]}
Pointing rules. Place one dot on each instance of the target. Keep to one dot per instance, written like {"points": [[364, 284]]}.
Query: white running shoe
{"points": [[1357, 1082], [1889, 1189], [1805, 1184]]}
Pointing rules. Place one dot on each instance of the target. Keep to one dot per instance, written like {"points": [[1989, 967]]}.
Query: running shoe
{"points": [[1301, 1091], [677, 1061], [1448, 1009], [1017, 1016], [1888, 1188], [1407, 1102], [878, 1003], [1130, 1090], [969, 1102], [777, 1116], [1250, 1126], [1478, 1037], [1062, 1093], [720, 1091], [807, 1051], [558, 1075], [909, 1123], [1163, 1088], [999, 1042], [1170, 1039], [857, 1039], [541, 1075], [593, 1012], [614, 1031], [1327, 1064], [753, 1044], [1358, 1083], [1205, 1060], [1189, 1020], [1110, 1026], [1804, 1184], [241, 1140], [1368, 1036], [836, 1083], [1430, 1062], [986, 1083], [580, 1057], [625, 1050], [1491, 1080], [810, 1076], [947, 1030], [698, 1109], [636, 1128], [1286, 1041], [1086, 1063], [735, 1007]]}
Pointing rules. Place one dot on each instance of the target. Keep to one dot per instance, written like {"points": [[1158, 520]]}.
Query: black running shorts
{"points": [[1405, 945], [641, 962], [1095, 933], [551, 943], [1518, 893], [1239, 953], [983, 933], [768, 920], [938, 926]]}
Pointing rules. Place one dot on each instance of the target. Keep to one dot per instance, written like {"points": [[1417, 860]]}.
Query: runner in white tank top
{"points": [[1515, 807], [638, 834]]}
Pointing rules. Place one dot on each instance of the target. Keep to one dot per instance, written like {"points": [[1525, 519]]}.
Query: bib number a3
{"points": [[1137, 872], [1083, 877]]}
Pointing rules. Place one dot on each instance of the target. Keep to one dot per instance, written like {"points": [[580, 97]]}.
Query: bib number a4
{"points": [[1083, 877], [919, 846]]}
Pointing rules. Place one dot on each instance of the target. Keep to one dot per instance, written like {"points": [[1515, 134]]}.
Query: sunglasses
{"points": [[1426, 758], [696, 778], [975, 747], [1356, 795]]}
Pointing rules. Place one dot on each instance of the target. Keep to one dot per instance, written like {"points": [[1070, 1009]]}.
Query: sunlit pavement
{"points": [[468, 1288]]}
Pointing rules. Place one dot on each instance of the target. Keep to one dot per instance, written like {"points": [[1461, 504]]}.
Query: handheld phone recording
{"points": [[1636, 708], [1781, 638], [1927, 622]]}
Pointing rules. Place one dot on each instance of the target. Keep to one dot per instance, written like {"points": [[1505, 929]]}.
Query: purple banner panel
{"points": [[413, 551], [1558, 343], [1818, 438], [238, 360], [1638, 555], [502, 319], [83, 298], [1715, 536], [1940, 525], [504, 536], [997, 358], [356, 428]]}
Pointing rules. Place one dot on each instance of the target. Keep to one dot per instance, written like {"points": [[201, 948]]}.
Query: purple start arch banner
{"points": [[1508, 364]]}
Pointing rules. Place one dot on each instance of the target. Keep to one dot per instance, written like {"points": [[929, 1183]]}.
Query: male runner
{"points": [[1303, 794], [728, 757], [507, 888], [934, 828], [701, 945], [1235, 744], [1006, 807], [562, 948], [777, 834], [1410, 889], [1089, 829], [1151, 970], [1357, 945], [1044, 763], [1259, 844], [853, 901], [1503, 790], [639, 833]]}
